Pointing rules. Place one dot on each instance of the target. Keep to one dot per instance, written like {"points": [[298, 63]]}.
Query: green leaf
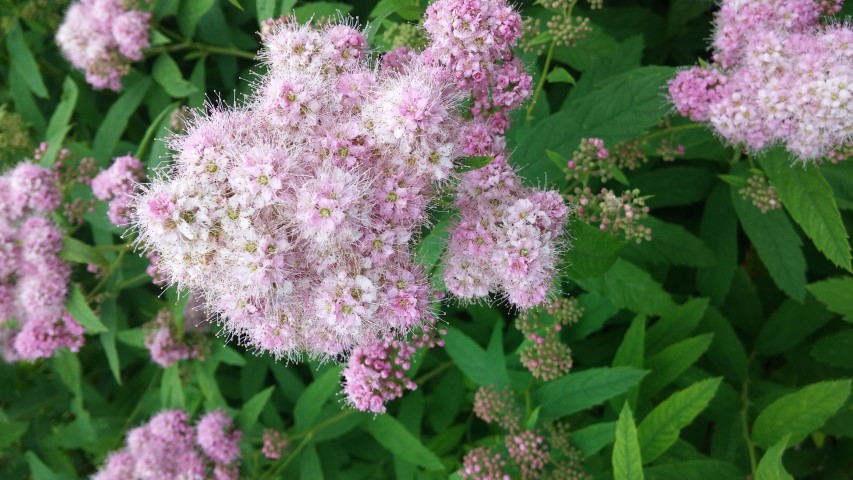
{"points": [[590, 440], [318, 10], [38, 469], [695, 470], [251, 410], [835, 294], [109, 315], [54, 146], [474, 361], [392, 435], [835, 349], [659, 430], [623, 108], [808, 198], [671, 245], [676, 324], [117, 117], [581, 390], [626, 460], [309, 464], [22, 59], [466, 164], [229, 356], [62, 114], [24, 102], [11, 432], [74, 250], [190, 12], [726, 353], [236, 4], [151, 132], [788, 327], [799, 413], [266, 10], [719, 231], [311, 401], [80, 310], [628, 286], [560, 75], [734, 180], [668, 364], [674, 186], [770, 467], [167, 73], [592, 251], [777, 243], [630, 354], [171, 389]]}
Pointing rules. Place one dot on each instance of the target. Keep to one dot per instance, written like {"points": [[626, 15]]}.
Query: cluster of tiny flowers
{"points": [[166, 345], [33, 279], [483, 463], [497, 406], [293, 215], [628, 155], [568, 460], [406, 35], [619, 214], [14, 138], [472, 42], [759, 191], [779, 76], [590, 159], [544, 354], [562, 29], [668, 152], [376, 374], [168, 446], [529, 451], [103, 37], [116, 184], [275, 443]]}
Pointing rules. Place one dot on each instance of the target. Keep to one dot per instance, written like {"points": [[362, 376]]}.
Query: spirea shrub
{"points": [[466, 239]]}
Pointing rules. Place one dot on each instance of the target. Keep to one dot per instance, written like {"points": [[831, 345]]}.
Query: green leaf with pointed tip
{"points": [[590, 440], [770, 467], [311, 401], [392, 435], [581, 390], [22, 59], [252, 409], [837, 294], [592, 252], [114, 123], [478, 364], [466, 164], [626, 460], [659, 430], [669, 363], [62, 113], [560, 75], [628, 286], [809, 199], [167, 73], [190, 12], [799, 413], [74, 250], [82, 313]]}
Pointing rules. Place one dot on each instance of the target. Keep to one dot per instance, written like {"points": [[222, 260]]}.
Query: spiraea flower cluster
{"points": [[779, 77], [760, 192], [115, 184], [33, 279], [167, 345], [168, 446], [102, 38], [293, 215], [376, 374], [543, 353], [484, 463], [507, 237], [275, 442]]}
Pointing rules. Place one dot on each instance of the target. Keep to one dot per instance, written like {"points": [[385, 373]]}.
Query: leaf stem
{"points": [[541, 82], [200, 47], [744, 418]]}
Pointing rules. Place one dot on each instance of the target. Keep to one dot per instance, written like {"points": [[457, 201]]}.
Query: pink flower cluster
{"points": [[169, 447], [275, 443], [33, 279], [483, 463], [116, 185], [103, 37], [377, 374], [544, 355], [506, 238], [780, 77], [293, 216], [166, 346]]}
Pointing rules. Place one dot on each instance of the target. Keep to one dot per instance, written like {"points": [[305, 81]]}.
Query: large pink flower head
{"points": [[780, 77], [33, 279], [103, 37], [168, 446], [293, 214]]}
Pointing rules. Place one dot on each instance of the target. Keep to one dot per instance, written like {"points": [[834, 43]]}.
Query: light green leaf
{"points": [[837, 294], [695, 470], [659, 430], [466, 164], [317, 10], [62, 114], [630, 354], [266, 10], [236, 4], [592, 251], [474, 361], [190, 12], [38, 469], [151, 132], [171, 389], [581, 390], [590, 440], [808, 198], [167, 73], [54, 146], [560, 75], [626, 460], [74, 250], [671, 244], [22, 59], [392, 435], [11, 432], [770, 467], [669, 363], [799, 413], [80, 310], [676, 324], [311, 401], [117, 118], [109, 314], [777, 243], [309, 464], [251, 410]]}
